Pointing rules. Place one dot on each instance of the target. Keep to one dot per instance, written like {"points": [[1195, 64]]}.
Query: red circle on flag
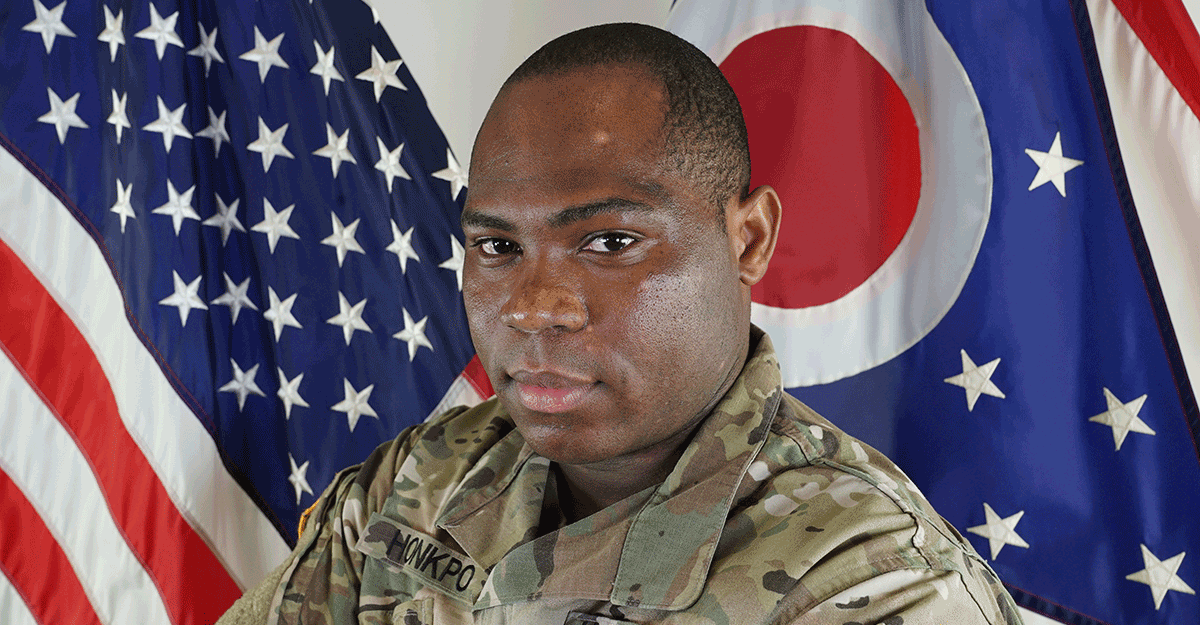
{"points": [[831, 131]]}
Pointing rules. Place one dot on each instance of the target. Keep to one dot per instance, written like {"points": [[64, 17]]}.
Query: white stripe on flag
{"points": [[69, 264], [13, 610], [1160, 144], [41, 458]]}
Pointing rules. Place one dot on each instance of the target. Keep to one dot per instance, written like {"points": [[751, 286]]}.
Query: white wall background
{"points": [[461, 51]]}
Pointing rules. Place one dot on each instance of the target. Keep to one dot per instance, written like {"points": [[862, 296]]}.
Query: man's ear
{"points": [[753, 226]]}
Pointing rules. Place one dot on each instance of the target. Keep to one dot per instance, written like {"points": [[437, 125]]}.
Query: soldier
{"points": [[641, 462]]}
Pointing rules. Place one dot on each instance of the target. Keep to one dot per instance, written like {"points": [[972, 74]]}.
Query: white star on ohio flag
{"points": [[413, 334], [342, 238], [242, 384], [389, 163], [185, 297], [1052, 166], [325, 68], [161, 31], [350, 317], [1122, 417], [298, 479], [289, 393], [275, 225], [355, 403], [207, 49], [382, 74], [279, 313], [215, 130], [337, 150], [976, 380], [235, 297], [455, 262], [113, 33], [225, 218], [270, 144], [998, 531], [266, 54], [178, 207], [118, 117], [401, 246], [455, 174], [49, 23], [62, 114], [121, 206], [1161, 576], [169, 124]]}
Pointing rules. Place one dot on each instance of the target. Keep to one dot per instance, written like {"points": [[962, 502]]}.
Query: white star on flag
{"points": [[355, 403], [342, 238], [349, 317], [161, 31], [374, 13], [976, 380], [1052, 166], [998, 531], [121, 206], [275, 225], [401, 246], [298, 479], [118, 117], [382, 74], [225, 218], [289, 393], [185, 297], [242, 384], [324, 67], [269, 144], [62, 114], [279, 313], [455, 262], [337, 150], [1122, 418], [113, 34], [235, 296], [215, 130], [169, 124], [178, 207], [453, 173], [413, 334], [207, 49], [389, 163], [266, 54], [1161, 576], [49, 23]]}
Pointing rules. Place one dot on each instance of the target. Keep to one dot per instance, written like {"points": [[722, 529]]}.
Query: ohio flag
{"points": [[984, 269]]}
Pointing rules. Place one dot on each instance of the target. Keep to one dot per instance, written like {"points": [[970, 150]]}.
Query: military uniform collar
{"points": [[668, 534]]}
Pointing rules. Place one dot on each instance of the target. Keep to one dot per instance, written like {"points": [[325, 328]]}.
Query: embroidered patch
{"points": [[423, 557]]}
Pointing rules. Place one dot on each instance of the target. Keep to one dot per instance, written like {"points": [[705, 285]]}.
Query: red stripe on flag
{"points": [[37, 567], [59, 363], [1171, 38], [478, 378]]}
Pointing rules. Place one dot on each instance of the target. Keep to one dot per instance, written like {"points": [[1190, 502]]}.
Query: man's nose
{"points": [[539, 306]]}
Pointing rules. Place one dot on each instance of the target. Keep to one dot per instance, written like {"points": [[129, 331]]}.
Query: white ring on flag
{"points": [[914, 288]]}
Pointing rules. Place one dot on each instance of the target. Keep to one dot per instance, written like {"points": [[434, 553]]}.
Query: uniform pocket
{"points": [[414, 612]]}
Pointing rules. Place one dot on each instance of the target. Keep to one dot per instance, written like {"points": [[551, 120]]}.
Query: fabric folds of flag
{"points": [[983, 269], [230, 265]]}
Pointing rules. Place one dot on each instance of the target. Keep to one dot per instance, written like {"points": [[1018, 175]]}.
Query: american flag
{"points": [[230, 266], [1004, 334]]}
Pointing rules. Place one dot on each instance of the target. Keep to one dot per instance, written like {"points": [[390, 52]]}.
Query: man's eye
{"points": [[610, 242], [498, 247]]}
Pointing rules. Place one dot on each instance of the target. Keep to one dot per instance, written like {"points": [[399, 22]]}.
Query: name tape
{"points": [[423, 557]]}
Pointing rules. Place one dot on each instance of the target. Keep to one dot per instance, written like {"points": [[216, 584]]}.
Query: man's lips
{"points": [[550, 392]]}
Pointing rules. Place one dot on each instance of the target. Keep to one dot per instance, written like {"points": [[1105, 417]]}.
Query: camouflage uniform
{"points": [[772, 515]]}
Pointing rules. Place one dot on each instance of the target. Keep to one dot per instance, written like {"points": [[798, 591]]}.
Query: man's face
{"points": [[602, 293]]}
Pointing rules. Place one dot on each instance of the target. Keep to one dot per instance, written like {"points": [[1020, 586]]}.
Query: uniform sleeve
{"points": [[319, 580]]}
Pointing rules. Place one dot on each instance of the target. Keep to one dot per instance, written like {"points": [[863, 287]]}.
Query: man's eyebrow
{"points": [[573, 214], [486, 222]]}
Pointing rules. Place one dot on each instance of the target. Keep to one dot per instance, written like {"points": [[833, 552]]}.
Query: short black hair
{"points": [[704, 131]]}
